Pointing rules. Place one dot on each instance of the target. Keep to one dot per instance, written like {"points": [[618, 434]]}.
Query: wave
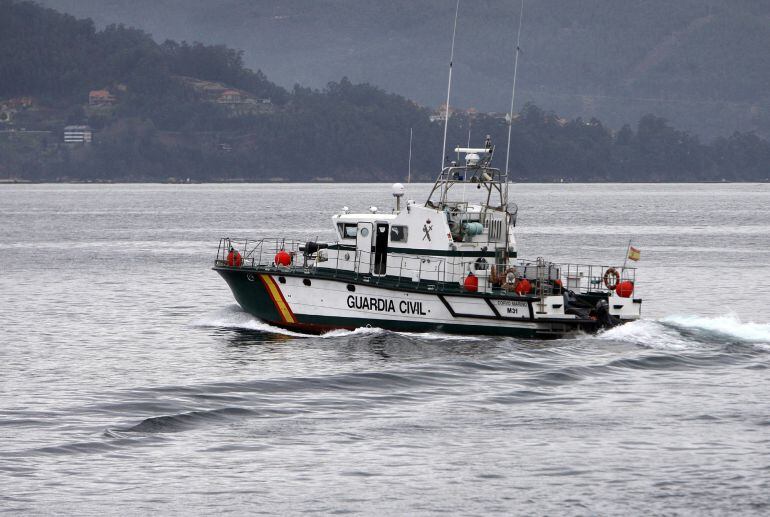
{"points": [[425, 336], [675, 332], [233, 317], [682, 332], [440, 336], [184, 421], [726, 326], [361, 331], [648, 333]]}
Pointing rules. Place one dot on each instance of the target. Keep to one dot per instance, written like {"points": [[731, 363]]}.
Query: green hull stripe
{"points": [[416, 326]]}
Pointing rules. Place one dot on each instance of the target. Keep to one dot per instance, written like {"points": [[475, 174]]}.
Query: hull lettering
{"points": [[373, 303]]}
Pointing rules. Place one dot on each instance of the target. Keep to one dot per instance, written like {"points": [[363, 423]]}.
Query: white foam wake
{"points": [[729, 326], [648, 333], [678, 332], [233, 317], [438, 336], [361, 331]]}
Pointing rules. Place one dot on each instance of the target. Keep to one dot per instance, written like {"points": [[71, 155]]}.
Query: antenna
{"points": [[449, 85], [513, 96], [409, 177], [470, 125]]}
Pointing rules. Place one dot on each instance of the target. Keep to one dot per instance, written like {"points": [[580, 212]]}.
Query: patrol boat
{"points": [[449, 264]]}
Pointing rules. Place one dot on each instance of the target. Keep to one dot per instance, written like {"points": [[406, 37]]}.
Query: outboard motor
{"points": [[606, 320], [574, 306]]}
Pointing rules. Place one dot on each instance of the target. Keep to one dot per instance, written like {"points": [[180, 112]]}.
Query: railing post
{"points": [[337, 267], [419, 273]]}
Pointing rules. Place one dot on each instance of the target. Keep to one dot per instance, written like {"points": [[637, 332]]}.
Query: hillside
{"points": [[702, 64], [77, 103]]}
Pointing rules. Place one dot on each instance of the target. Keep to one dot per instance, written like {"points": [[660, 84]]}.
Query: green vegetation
{"points": [[166, 122], [704, 65]]}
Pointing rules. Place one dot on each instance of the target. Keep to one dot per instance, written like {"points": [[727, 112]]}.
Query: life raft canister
{"points": [[282, 258], [611, 278], [234, 258], [471, 283], [625, 289]]}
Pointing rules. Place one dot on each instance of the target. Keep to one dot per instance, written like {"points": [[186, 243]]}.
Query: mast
{"points": [[513, 96], [449, 86], [409, 177], [510, 127]]}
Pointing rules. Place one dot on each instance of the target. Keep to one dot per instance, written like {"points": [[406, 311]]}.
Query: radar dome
{"points": [[398, 189]]}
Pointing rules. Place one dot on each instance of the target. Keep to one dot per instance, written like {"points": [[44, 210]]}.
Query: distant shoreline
{"points": [[246, 182]]}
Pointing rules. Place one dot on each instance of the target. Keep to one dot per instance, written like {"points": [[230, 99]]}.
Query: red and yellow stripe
{"points": [[277, 296]]}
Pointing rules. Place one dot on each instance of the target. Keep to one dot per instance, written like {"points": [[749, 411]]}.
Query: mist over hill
{"points": [[79, 103], [703, 64]]}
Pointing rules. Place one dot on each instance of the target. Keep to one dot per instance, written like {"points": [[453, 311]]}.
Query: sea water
{"points": [[131, 383]]}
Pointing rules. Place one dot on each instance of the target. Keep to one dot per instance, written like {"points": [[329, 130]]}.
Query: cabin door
{"points": [[381, 248], [364, 248]]}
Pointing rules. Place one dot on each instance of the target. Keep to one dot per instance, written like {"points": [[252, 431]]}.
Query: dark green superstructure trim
{"points": [[441, 253], [425, 252]]}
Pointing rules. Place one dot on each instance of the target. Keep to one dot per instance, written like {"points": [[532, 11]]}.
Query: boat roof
{"points": [[364, 217]]}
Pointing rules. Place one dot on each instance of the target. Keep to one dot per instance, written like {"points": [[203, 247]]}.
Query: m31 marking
{"points": [[512, 309]]}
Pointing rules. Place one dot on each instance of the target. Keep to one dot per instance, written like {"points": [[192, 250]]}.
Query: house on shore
{"points": [[101, 98], [230, 97], [78, 135]]}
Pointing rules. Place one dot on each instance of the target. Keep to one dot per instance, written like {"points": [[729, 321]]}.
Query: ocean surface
{"points": [[131, 383]]}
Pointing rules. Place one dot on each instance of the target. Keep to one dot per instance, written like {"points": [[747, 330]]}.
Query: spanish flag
{"points": [[634, 253]]}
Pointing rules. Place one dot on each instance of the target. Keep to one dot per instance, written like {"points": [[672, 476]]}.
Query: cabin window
{"points": [[398, 233], [347, 230]]}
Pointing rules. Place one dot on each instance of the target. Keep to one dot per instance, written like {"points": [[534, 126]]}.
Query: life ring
{"points": [[509, 280], [611, 278]]}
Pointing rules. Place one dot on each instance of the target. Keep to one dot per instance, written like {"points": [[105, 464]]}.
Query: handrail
{"points": [[443, 273]]}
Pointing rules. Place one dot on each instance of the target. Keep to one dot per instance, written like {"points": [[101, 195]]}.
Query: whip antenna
{"points": [[513, 96], [449, 85], [409, 177]]}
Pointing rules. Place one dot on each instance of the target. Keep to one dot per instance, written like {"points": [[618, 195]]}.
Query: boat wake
{"points": [[675, 332], [728, 327], [681, 332], [233, 317]]}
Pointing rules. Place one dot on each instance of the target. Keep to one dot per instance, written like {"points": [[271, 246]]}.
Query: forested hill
{"points": [[703, 64], [149, 111]]}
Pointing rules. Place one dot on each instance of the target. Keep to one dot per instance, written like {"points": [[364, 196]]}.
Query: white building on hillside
{"points": [[78, 135]]}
